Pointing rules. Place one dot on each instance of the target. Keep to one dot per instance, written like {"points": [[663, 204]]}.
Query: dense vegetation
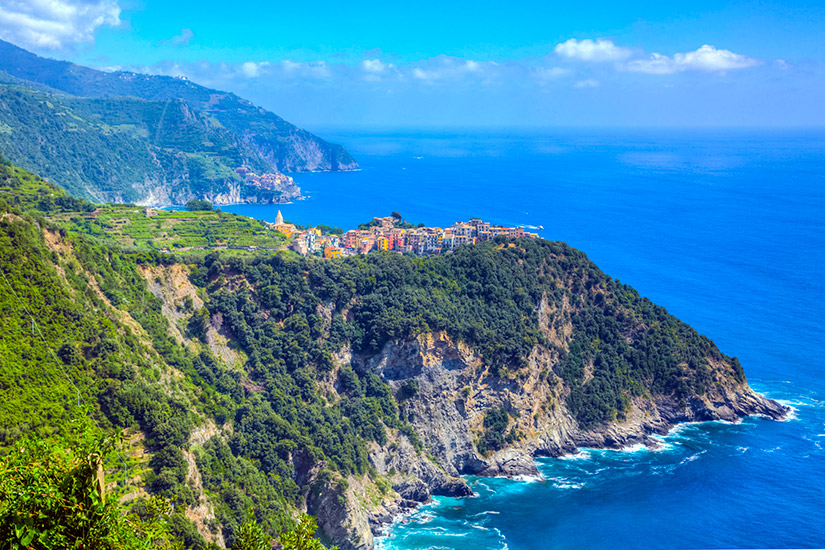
{"points": [[78, 326], [116, 136], [53, 495], [50, 497], [63, 344], [486, 295], [109, 150]]}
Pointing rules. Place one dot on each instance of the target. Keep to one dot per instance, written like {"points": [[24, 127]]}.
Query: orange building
{"points": [[351, 238], [332, 252]]}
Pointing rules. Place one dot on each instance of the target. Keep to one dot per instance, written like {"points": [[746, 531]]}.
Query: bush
{"points": [[198, 204], [52, 496]]}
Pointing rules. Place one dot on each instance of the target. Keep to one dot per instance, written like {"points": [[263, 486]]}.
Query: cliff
{"points": [[353, 388], [455, 392], [494, 355], [128, 137]]}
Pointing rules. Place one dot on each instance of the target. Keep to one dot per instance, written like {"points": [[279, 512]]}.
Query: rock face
{"points": [[455, 390], [446, 392]]}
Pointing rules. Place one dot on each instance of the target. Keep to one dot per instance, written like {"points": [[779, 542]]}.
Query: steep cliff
{"points": [[127, 137], [456, 391], [493, 355], [352, 388]]}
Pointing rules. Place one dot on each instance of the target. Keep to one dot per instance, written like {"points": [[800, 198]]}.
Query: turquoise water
{"points": [[726, 230]]}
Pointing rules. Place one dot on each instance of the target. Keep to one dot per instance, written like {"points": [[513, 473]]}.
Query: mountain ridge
{"points": [[161, 172]]}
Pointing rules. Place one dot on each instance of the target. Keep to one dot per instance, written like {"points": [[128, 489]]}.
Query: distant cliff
{"points": [[127, 137]]}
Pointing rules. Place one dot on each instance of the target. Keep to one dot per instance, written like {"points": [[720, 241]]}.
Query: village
{"points": [[269, 180], [392, 234]]}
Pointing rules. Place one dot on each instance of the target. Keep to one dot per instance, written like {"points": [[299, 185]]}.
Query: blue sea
{"points": [[726, 229]]}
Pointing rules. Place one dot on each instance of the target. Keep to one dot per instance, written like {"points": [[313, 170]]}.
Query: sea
{"points": [[724, 228]]}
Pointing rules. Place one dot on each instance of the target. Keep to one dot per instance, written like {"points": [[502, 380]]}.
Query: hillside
{"points": [[351, 388], [127, 137]]}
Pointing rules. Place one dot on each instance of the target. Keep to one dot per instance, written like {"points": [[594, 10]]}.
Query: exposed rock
{"points": [[455, 391], [201, 514]]}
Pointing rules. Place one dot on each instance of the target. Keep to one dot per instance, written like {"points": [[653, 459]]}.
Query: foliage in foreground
{"points": [[51, 497]]}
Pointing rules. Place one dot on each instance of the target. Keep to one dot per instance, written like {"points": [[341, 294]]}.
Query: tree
{"points": [[52, 495], [251, 536], [302, 536], [198, 204]]}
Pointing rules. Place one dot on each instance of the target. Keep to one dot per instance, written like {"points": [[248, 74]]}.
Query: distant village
{"points": [[392, 234], [268, 180]]}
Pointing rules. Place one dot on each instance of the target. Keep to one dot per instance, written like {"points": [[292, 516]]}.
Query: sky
{"points": [[443, 63]]}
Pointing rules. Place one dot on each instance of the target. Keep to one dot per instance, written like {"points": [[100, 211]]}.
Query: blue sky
{"points": [[428, 63]]}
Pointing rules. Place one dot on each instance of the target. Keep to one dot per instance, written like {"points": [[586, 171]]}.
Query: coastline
{"points": [[654, 442]]}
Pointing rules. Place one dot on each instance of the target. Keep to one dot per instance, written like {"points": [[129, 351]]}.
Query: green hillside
{"points": [[256, 382], [125, 137]]}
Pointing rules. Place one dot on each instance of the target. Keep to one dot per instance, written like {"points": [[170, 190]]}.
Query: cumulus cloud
{"points": [[707, 58], [590, 50], [183, 39], [375, 70], [306, 69], [442, 73], [373, 65], [55, 24], [444, 68], [252, 69]]}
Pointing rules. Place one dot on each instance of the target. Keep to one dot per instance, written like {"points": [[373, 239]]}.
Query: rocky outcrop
{"points": [[445, 389], [455, 390]]}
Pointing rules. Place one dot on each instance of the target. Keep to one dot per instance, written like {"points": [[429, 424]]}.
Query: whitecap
{"points": [[794, 409], [629, 449], [691, 458], [580, 455], [502, 538], [523, 478], [565, 483], [663, 444], [487, 513], [482, 484], [568, 485]]}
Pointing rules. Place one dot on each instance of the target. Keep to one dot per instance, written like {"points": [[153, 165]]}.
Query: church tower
{"points": [[279, 219]]}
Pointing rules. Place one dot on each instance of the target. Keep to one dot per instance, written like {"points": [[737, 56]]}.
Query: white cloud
{"points": [[445, 68], [588, 83], [472, 66], [309, 69], [375, 70], [373, 65], [707, 58], [252, 69], [55, 24], [183, 39], [589, 50], [421, 74]]}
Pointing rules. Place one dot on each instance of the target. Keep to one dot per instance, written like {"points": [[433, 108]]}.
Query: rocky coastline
{"points": [[448, 419]]}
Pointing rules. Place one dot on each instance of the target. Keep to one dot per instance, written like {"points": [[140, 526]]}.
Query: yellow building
{"points": [[332, 252], [382, 243]]}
